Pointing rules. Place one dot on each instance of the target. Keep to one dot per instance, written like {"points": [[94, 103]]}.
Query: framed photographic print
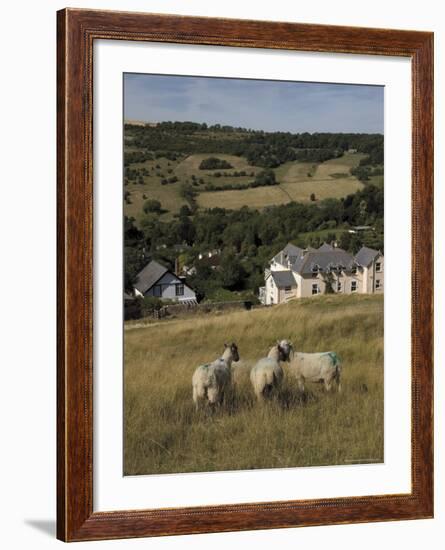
{"points": [[245, 229]]}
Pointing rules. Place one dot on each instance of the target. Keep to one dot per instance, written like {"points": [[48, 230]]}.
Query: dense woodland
{"points": [[266, 149], [246, 237]]}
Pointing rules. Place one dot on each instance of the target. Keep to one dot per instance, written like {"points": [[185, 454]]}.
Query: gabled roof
{"points": [[283, 278], [151, 273], [323, 261], [325, 247], [366, 255], [290, 252]]}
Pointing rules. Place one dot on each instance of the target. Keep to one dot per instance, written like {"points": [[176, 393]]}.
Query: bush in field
{"points": [[214, 163], [266, 177], [152, 205], [184, 211]]}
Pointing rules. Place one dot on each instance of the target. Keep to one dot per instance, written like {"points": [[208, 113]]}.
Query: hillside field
{"points": [[297, 181], [164, 433]]}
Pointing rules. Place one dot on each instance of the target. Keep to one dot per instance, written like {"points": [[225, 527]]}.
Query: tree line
{"points": [[265, 149], [248, 238]]}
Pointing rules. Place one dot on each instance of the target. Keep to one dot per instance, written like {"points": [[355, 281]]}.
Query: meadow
{"points": [[164, 434], [297, 182]]}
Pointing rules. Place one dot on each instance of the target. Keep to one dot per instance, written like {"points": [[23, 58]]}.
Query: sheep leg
{"points": [[199, 395], [338, 381], [300, 381], [259, 395]]}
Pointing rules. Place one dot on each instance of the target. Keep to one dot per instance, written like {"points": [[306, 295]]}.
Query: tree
{"points": [[184, 211], [152, 205], [214, 163], [265, 177], [232, 272], [188, 193]]}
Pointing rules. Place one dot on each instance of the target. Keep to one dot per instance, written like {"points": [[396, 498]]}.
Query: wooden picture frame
{"points": [[77, 31]]}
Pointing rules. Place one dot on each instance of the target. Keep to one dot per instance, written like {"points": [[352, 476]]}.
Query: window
{"points": [[338, 286], [180, 290], [354, 269], [353, 286], [377, 284], [315, 289], [287, 289], [157, 290], [378, 267]]}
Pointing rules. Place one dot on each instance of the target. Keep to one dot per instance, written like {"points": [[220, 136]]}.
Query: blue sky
{"points": [[259, 104]]}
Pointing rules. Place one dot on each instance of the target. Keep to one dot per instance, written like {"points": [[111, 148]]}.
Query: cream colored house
{"points": [[298, 273]]}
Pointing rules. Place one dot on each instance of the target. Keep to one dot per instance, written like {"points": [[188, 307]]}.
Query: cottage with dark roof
{"points": [[298, 273], [156, 280]]}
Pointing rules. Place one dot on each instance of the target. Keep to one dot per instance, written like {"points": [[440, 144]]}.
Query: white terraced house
{"points": [[298, 273]]}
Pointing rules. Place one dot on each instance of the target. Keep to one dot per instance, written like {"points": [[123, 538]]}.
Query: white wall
{"points": [[169, 291], [28, 322]]}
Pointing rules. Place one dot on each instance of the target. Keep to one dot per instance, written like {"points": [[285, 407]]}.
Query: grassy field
{"points": [[298, 180], [164, 433]]}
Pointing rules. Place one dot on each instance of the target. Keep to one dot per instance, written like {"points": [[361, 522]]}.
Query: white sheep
{"points": [[211, 381], [268, 374], [313, 367]]}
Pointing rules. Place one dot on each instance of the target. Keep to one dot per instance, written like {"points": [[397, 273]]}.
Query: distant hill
{"points": [[140, 123]]}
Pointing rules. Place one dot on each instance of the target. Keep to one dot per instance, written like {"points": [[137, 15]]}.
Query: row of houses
{"points": [[293, 273], [300, 273]]}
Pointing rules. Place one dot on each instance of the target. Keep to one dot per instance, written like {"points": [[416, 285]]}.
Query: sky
{"points": [[268, 105]]}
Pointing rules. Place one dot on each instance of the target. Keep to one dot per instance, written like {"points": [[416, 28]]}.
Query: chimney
{"points": [[176, 266]]}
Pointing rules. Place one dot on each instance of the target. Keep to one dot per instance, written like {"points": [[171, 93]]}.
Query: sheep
{"points": [[210, 381], [268, 374], [313, 367]]}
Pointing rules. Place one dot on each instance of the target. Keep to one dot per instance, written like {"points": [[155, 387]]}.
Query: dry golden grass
{"points": [[257, 197], [295, 185], [164, 434], [190, 165]]}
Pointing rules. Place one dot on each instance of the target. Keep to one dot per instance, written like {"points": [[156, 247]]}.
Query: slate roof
{"points": [[366, 255], [283, 278], [326, 248], [151, 273], [291, 252], [323, 261]]}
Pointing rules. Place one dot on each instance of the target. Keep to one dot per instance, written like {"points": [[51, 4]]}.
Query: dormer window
{"points": [[354, 269], [378, 267]]}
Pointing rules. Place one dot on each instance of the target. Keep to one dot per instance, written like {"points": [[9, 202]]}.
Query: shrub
{"points": [[152, 205], [266, 177], [214, 163]]}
